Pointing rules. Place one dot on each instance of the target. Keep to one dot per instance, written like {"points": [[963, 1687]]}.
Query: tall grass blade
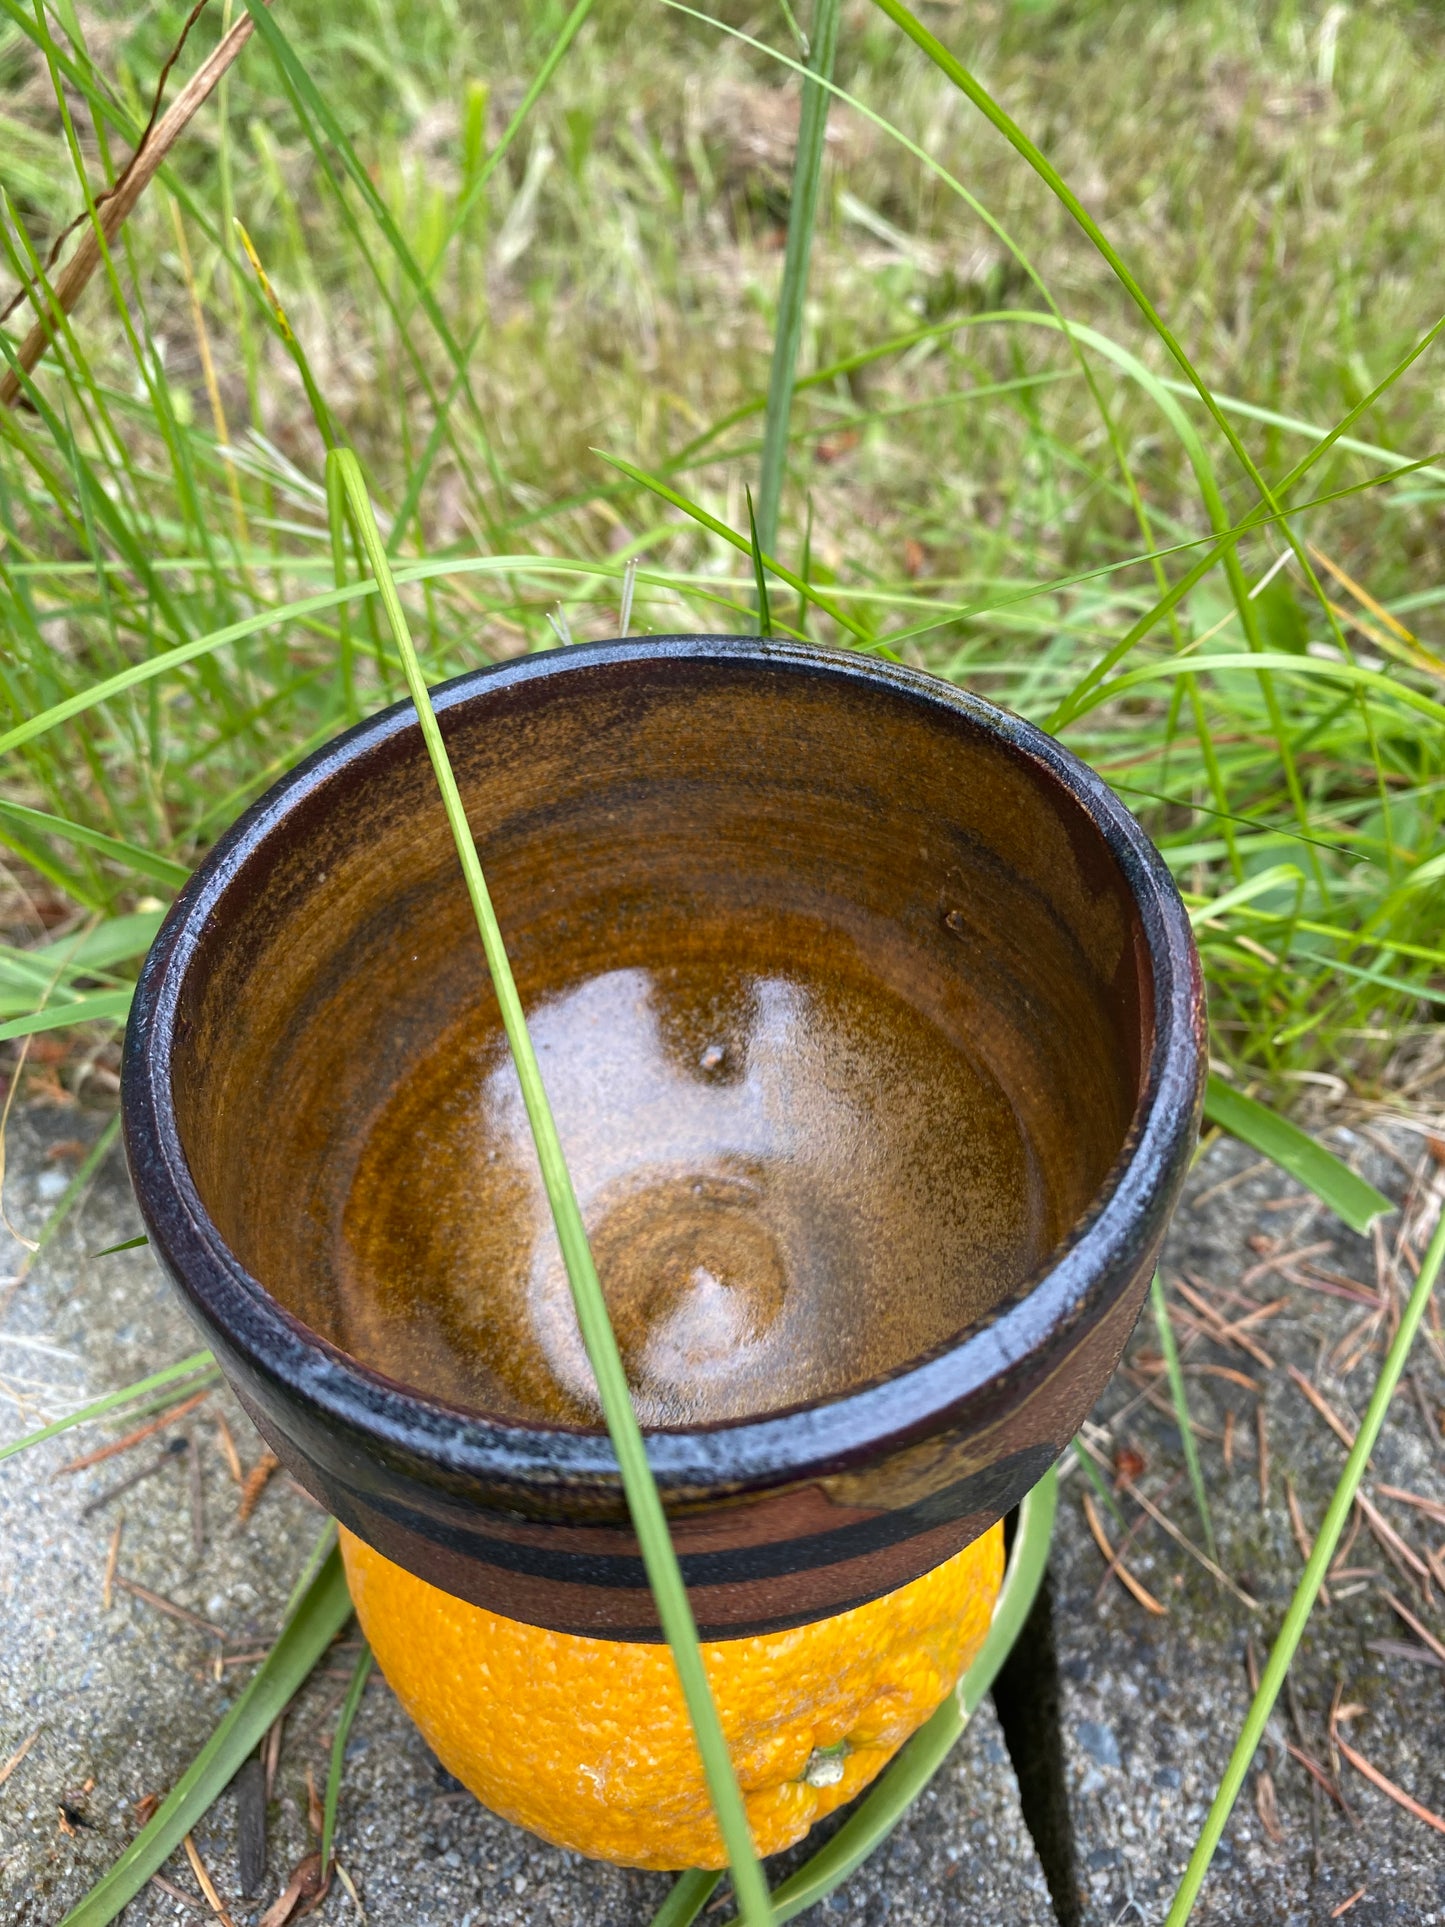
{"points": [[690, 1894], [1348, 674], [950, 65], [1349, 1196], [889, 1800], [541, 80], [644, 1502], [166, 662], [100, 1005], [160, 869], [361, 1672], [75, 1190], [98, 1408], [760, 577], [1170, 1349], [314, 1622], [321, 414], [802, 218], [1278, 1665], [695, 512]]}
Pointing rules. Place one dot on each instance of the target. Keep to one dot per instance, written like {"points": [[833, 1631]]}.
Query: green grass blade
{"points": [[644, 1502], [186, 1368], [890, 1798], [950, 65], [695, 512], [887, 1802], [1293, 1150], [1101, 1490], [73, 1191], [167, 661], [160, 869], [317, 1618], [361, 1672], [309, 102], [571, 27], [320, 413], [802, 218], [690, 1894], [1300, 1607], [101, 1004], [760, 577], [1165, 1326], [315, 1560], [1348, 674], [1259, 885]]}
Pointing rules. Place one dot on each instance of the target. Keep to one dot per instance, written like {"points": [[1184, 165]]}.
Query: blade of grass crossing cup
{"points": [[760, 579], [894, 1793], [644, 1503], [1307, 1591]]}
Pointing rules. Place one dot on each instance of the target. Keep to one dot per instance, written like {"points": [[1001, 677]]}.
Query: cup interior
{"points": [[838, 990]]}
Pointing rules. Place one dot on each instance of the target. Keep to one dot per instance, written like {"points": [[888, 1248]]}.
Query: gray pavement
{"points": [[122, 1699]]}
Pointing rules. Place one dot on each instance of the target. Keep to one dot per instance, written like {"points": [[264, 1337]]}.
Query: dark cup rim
{"points": [[806, 1440]]}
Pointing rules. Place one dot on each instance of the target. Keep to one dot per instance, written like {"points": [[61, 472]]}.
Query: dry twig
{"points": [[136, 1437], [164, 1605], [1180, 1538], [1432, 1508], [206, 1884], [1322, 1405], [111, 212], [1377, 1778], [17, 1756], [1115, 1565], [1400, 1554], [228, 1449], [107, 1588], [1301, 1536]]}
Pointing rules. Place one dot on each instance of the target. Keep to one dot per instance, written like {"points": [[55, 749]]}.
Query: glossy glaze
{"points": [[873, 1027], [753, 1150]]}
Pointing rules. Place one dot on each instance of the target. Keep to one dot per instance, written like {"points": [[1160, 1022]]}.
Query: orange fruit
{"points": [[587, 1742]]}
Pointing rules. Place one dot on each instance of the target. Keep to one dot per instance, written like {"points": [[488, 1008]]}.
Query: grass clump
{"points": [[509, 239]]}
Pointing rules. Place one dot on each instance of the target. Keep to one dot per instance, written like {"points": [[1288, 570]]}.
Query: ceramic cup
{"points": [[873, 1026]]}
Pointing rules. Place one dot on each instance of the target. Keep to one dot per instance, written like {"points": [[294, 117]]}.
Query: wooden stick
{"points": [[1415, 1626], [1215, 1571], [111, 215], [107, 1590], [1322, 1405], [1387, 1787], [18, 1755], [207, 1885], [164, 1605], [1126, 1578], [1432, 1508], [134, 1438]]}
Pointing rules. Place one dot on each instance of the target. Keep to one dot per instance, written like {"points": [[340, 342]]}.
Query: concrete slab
{"points": [[122, 1700], [1152, 1706]]}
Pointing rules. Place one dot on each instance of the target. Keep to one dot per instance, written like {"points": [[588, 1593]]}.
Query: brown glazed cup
{"points": [[874, 1029]]}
